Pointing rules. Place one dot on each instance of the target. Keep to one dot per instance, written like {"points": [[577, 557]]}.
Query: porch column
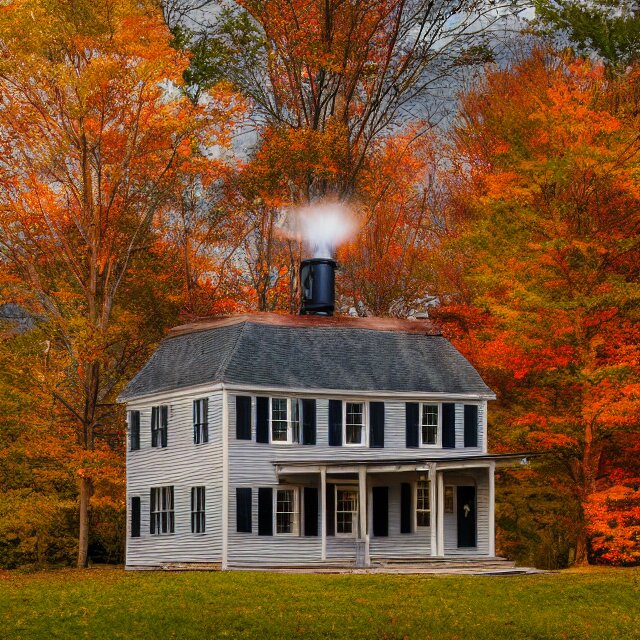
{"points": [[433, 499], [492, 508], [440, 519], [362, 499], [323, 512]]}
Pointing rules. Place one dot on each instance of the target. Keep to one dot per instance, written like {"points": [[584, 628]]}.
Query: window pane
{"points": [[423, 504], [285, 511], [295, 420], [346, 510], [354, 422], [279, 419], [429, 424]]}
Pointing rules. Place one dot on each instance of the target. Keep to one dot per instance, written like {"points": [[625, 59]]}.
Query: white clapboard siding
{"points": [[182, 464], [481, 480]]}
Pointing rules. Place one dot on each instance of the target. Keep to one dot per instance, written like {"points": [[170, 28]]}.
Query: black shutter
{"points": [[405, 508], [380, 497], [265, 511], [309, 423], [243, 417], [134, 430], [155, 425], [449, 425], [376, 428], [164, 424], [335, 423], [243, 510], [310, 511], [152, 508], [331, 510], [412, 419], [470, 425], [135, 517], [205, 420], [262, 419]]}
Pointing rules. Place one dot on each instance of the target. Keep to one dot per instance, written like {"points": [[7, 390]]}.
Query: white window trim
{"points": [[356, 513], [417, 527], [365, 422], [207, 422], [290, 401], [296, 513], [438, 443], [159, 533]]}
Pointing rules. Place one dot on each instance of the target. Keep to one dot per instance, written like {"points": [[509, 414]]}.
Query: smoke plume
{"points": [[321, 227]]}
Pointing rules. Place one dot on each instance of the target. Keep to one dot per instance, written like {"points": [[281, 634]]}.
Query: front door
{"points": [[466, 516]]}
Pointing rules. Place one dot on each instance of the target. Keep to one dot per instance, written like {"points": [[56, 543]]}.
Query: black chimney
{"points": [[317, 277]]}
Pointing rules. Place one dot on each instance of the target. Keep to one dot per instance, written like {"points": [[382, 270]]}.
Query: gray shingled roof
{"points": [[306, 357]]}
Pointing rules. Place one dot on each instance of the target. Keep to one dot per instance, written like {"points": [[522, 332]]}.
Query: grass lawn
{"points": [[109, 603]]}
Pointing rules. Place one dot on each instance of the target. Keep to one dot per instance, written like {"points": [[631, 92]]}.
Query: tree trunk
{"points": [[86, 489]]}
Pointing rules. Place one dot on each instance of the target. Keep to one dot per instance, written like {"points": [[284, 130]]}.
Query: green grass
{"points": [[109, 603]]}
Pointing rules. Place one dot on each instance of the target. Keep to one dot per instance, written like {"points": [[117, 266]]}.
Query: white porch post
{"points": [[492, 509], [433, 498], [362, 499], [323, 512], [440, 519]]}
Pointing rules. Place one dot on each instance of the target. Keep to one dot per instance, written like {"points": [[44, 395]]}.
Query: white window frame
{"points": [[198, 514], [438, 442], [295, 513], [171, 513], [291, 430], [355, 514], [365, 423], [418, 527], [204, 424]]}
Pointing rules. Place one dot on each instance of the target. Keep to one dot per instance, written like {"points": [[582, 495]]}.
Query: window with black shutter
{"points": [[243, 509], [405, 508], [412, 424], [134, 430], [164, 425], [310, 511], [265, 511], [309, 422], [159, 425], [262, 419], [201, 421], [380, 497], [243, 417], [470, 425], [198, 511], [135, 517], [376, 425], [449, 425], [335, 423]]}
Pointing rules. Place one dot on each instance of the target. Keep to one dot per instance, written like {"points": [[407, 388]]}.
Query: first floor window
{"points": [[201, 421], [197, 510], [448, 499], [285, 419], [346, 511], [134, 430], [286, 511], [429, 424], [354, 423], [162, 515], [423, 504]]}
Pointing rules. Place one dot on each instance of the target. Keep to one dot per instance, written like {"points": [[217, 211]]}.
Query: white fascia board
{"points": [[169, 395], [379, 393]]}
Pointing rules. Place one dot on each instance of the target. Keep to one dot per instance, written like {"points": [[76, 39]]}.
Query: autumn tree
{"points": [[96, 137], [540, 276]]}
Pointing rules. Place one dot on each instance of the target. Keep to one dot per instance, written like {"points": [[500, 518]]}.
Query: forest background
{"points": [[490, 151]]}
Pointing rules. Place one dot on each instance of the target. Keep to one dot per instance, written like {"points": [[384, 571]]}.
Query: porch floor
{"points": [[463, 565]]}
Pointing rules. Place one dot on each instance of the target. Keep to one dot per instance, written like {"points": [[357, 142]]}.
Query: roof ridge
{"points": [[222, 369]]}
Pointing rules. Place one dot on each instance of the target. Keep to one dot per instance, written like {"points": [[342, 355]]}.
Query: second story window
{"points": [[201, 421], [134, 430], [354, 431], [159, 425], [285, 420], [429, 424]]}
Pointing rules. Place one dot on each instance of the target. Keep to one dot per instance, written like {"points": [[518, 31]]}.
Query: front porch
{"points": [[390, 516]]}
